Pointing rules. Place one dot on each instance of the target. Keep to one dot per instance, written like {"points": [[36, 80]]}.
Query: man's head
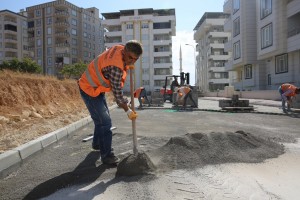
{"points": [[132, 51]]}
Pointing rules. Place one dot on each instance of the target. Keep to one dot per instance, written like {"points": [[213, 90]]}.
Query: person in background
{"points": [[174, 84], [140, 93], [287, 92], [183, 93], [108, 73]]}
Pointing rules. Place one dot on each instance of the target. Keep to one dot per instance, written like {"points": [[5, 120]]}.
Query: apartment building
{"points": [[154, 29], [61, 33], [265, 43], [13, 36], [210, 37]]}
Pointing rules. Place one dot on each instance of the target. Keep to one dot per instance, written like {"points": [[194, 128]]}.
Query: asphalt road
{"points": [[70, 162]]}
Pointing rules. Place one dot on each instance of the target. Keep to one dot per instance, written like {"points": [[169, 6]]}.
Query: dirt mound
{"points": [[198, 149], [34, 105]]}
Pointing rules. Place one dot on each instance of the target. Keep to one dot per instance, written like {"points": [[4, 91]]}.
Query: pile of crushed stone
{"points": [[139, 164], [199, 149]]}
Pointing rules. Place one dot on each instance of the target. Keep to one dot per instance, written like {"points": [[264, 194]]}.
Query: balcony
{"points": [[62, 23], [62, 34], [162, 53], [293, 8], [218, 80], [61, 14], [218, 57], [62, 44], [62, 55], [216, 69], [162, 42], [293, 42], [10, 21]]}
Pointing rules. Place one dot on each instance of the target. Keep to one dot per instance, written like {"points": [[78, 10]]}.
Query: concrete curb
{"points": [[16, 156]]}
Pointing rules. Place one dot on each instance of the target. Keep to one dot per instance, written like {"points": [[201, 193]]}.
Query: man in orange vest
{"points": [[183, 93], [140, 93], [108, 73], [287, 92]]}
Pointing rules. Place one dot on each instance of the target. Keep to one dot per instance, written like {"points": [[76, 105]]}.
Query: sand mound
{"points": [[133, 165], [198, 149]]}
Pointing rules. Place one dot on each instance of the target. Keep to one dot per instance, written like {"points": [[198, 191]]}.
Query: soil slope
{"points": [[34, 105]]}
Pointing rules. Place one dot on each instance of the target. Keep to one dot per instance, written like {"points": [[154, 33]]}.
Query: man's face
{"points": [[129, 57]]}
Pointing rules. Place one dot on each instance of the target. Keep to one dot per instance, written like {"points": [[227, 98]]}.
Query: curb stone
{"points": [[16, 156]]}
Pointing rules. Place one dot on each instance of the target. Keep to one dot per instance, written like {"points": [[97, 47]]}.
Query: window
{"points": [[129, 26], [49, 20], [74, 51], [48, 10], [74, 41], [49, 30], [269, 79], [74, 31], [74, 13], [49, 51], [236, 5], [248, 71], [39, 52], [236, 50], [38, 42], [281, 64], [145, 25], [266, 36], [37, 13], [49, 61], [38, 22], [265, 8], [236, 27], [38, 32], [74, 22], [85, 34], [49, 40]]}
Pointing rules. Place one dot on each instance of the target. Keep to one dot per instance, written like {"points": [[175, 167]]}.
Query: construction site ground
{"points": [[203, 153]]}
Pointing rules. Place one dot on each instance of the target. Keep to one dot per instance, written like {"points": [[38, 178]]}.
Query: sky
{"points": [[188, 13]]}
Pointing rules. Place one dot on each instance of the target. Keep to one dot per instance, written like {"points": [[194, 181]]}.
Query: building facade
{"points": [[61, 33], [210, 37], [154, 29], [265, 46], [13, 36]]}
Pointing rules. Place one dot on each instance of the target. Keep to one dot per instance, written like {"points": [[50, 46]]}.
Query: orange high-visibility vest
{"points": [[182, 91], [137, 92], [92, 81], [287, 86]]}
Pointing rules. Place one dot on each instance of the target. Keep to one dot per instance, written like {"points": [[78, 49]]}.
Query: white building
{"points": [[210, 38], [13, 36], [62, 33], [154, 29], [265, 43]]}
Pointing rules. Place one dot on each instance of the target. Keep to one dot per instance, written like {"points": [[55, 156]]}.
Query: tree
{"points": [[73, 71]]}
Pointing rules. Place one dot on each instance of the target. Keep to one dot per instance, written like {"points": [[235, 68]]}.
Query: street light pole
{"points": [[194, 61]]}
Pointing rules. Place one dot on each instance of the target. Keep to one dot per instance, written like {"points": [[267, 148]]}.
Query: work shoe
{"points": [[110, 160], [95, 146]]}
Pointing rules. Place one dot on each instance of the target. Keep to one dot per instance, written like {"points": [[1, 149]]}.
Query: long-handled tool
{"points": [[135, 151]]}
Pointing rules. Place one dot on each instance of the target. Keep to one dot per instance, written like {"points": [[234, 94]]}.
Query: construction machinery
{"points": [[166, 91]]}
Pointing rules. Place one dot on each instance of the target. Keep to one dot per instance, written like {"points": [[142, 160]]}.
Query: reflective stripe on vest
{"points": [[89, 78]]}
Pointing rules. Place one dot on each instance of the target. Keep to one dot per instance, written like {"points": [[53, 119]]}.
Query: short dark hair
{"points": [[134, 46]]}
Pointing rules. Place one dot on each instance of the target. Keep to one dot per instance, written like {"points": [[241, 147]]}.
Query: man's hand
{"points": [[131, 114]]}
